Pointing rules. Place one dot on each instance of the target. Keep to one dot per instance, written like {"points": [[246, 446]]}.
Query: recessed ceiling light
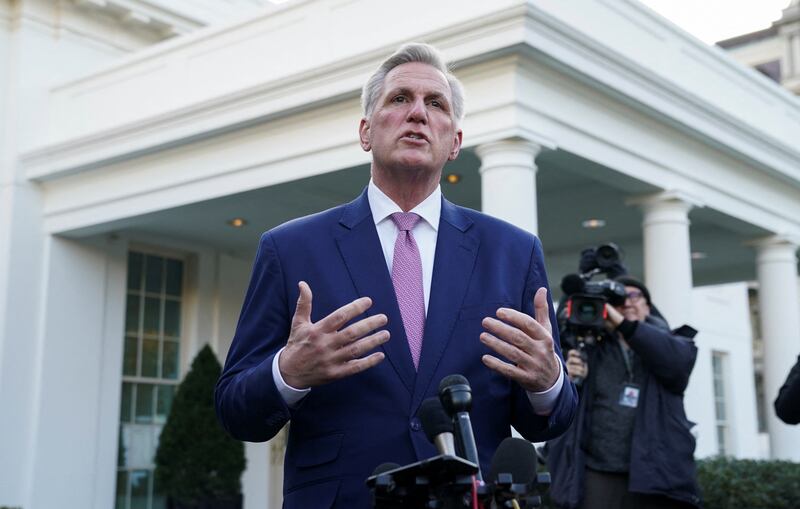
{"points": [[453, 178], [698, 255], [594, 223], [237, 222]]}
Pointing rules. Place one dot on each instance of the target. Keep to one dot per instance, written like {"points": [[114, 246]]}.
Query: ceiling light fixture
{"points": [[237, 222], [699, 255], [593, 223], [453, 178]]}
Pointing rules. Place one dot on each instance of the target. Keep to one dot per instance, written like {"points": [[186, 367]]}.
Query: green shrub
{"points": [[732, 483], [728, 483], [196, 460]]}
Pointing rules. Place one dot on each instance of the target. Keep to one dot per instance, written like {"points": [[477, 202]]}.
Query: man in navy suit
{"points": [[394, 309]]}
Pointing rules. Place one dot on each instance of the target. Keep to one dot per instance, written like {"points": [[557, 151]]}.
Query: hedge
{"points": [[728, 483]]}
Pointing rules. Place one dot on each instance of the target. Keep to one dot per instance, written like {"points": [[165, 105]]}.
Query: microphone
{"points": [[516, 457], [438, 426], [456, 397], [572, 283], [513, 474]]}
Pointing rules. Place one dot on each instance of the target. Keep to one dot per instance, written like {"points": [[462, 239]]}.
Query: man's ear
{"points": [[456, 145], [363, 135]]}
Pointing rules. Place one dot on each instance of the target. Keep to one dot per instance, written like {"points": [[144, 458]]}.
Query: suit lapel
{"points": [[456, 250], [361, 250]]}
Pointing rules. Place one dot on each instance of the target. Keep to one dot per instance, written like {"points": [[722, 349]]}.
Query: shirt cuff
{"points": [[290, 395], [544, 402]]}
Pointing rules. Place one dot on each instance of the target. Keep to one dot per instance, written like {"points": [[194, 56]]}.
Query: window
{"points": [[719, 373], [150, 373]]}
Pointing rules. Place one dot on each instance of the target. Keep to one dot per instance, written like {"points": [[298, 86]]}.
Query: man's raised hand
{"points": [[321, 352], [526, 342]]}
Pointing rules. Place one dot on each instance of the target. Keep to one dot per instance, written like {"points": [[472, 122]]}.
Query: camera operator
{"points": [[630, 445]]}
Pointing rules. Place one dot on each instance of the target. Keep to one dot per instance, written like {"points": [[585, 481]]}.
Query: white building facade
{"points": [[126, 152]]}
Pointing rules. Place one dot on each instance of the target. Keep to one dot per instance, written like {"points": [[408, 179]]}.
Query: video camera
{"points": [[583, 313]]}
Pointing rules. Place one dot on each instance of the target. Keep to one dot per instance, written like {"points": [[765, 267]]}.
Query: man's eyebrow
{"points": [[407, 91]]}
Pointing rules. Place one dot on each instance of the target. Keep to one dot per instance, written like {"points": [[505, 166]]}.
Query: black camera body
{"points": [[586, 311], [583, 313]]}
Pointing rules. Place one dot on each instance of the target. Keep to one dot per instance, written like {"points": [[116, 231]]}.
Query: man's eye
{"points": [[436, 104], [399, 99]]}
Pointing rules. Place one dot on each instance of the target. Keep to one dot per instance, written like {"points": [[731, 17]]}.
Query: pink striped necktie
{"points": [[407, 281]]}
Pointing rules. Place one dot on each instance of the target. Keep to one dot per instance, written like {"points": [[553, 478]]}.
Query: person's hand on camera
{"points": [[576, 366], [614, 318]]}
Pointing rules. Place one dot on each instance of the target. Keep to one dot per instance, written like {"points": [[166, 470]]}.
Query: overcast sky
{"points": [[715, 20]]}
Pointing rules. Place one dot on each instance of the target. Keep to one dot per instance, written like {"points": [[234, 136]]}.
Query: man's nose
{"points": [[417, 112]]}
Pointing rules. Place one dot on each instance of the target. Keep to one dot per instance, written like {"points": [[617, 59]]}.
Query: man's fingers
{"points": [[508, 370], [504, 348], [334, 321], [542, 309], [360, 328], [517, 320], [302, 312], [357, 349], [358, 365], [521, 331]]}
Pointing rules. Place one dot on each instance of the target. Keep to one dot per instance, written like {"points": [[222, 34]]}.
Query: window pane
{"points": [[140, 489], [153, 273], [150, 357], [164, 403], [172, 318], [135, 263], [132, 314], [125, 403], [174, 284], [144, 403], [129, 356], [170, 360], [122, 489], [152, 312]]}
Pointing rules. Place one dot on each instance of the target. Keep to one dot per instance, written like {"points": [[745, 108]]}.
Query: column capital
{"points": [[776, 248], [669, 197], [509, 145]]}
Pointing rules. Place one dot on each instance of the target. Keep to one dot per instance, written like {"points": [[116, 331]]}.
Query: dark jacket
{"points": [[787, 404], [662, 448]]}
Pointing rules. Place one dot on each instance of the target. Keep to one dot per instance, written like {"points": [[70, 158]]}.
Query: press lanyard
{"points": [[627, 359]]}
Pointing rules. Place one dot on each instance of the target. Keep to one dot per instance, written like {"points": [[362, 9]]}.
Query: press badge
{"points": [[629, 396]]}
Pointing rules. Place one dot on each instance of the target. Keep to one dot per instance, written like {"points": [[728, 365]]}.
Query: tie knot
{"points": [[405, 221]]}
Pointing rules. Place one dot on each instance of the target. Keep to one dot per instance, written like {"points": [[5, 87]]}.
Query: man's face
{"points": [[412, 126], [635, 307]]}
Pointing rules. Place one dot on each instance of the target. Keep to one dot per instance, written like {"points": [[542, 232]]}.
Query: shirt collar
{"points": [[382, 206]]}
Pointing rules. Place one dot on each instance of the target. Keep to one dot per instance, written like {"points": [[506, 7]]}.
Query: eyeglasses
{"points": [[634, 296]]}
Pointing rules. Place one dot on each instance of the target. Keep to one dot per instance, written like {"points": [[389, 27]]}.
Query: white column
{"points": [[779, 308], [667, 254], [508, 181]]}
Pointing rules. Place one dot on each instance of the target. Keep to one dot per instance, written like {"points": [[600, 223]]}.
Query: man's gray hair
{"points": [[412, 52]]}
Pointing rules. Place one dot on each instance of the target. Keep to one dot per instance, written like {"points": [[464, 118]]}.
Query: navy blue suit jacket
{"points": [[341, 431]]}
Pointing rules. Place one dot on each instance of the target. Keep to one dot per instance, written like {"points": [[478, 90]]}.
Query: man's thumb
{"points": [[303, 310]]}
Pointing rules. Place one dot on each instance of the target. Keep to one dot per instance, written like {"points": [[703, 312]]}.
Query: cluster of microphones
{"points": [[453, 479]]}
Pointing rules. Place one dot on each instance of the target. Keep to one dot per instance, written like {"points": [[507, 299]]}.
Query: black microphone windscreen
{"points": [[434, 419], [572, 283], [385, 467], [452, 380], [514, 456]]}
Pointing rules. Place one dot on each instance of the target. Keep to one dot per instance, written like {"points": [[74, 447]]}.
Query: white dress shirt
{"points": [[425, 232]]}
